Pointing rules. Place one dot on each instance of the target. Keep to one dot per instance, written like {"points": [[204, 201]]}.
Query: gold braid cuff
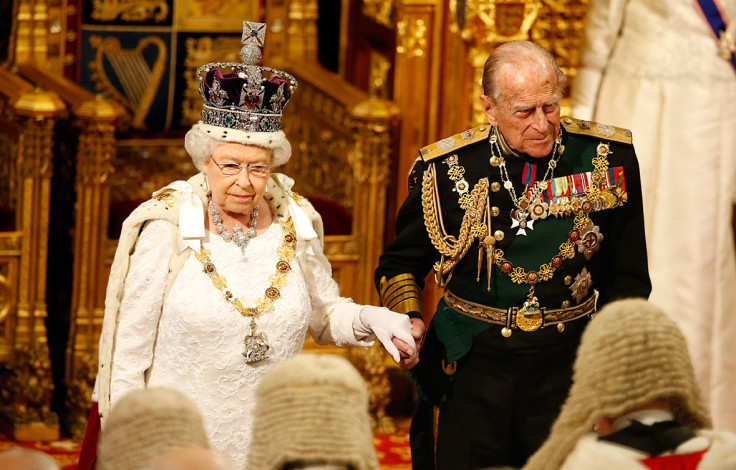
{"points": [[401, 294]]}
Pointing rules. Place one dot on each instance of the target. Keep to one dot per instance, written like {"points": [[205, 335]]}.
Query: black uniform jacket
{"points": [[617, 269]]}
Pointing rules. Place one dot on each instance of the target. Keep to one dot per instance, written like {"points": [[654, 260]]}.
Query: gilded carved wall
{"points": [[322, 141], [200, 51], [559, 28], [7, 172], [482, 25]]}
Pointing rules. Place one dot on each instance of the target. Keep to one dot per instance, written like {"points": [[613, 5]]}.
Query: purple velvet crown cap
{"points": [[232, 83]]}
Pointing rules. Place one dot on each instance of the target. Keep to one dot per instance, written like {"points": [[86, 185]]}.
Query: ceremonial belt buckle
{"points": [[529, 318]]}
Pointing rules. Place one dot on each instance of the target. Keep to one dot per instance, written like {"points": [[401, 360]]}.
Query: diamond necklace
{"points": [[239, 238], [521, 211]]}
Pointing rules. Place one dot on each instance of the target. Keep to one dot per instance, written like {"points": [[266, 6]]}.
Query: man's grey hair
{"points": [[516, 52], [26, 459]]}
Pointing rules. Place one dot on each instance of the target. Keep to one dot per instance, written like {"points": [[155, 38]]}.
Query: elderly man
{"points": [[527, 223]]}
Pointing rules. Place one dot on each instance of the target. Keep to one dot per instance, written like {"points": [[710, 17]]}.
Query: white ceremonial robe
{"points": [[167, 325], [653, 66]]}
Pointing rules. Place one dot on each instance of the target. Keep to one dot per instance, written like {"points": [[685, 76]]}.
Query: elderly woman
{"points": [[217, 279]]}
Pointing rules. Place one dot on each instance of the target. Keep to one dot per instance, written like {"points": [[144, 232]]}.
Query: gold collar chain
{"points": [[256, 344]]}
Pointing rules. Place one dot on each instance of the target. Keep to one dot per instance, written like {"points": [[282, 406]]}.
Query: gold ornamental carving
{"points": [[8, 178], [97, 144], [369, 158], [487, 22], [139, 81], [301, 29], [143, 166], [26, 393], [559, 28], [380, 67], [130, 11], [10, 242], [95, 154], [79, 389], [555, 24], [8, 283], [380, 11], [323, 141], [345, 245], [483, 25], [412, 39], [200, 51], [220, 16], [371, 364], [29, 38]]}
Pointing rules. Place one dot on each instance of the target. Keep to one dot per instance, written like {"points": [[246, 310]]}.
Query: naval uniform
{"points": [[491, 378]]}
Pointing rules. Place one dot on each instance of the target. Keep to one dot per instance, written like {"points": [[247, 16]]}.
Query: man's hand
{"points": [[394, 330], [408, 361]]}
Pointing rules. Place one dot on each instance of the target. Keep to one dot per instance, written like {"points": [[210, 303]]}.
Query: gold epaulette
{"points": [[401, 294], [454, 143], [594, 129]]}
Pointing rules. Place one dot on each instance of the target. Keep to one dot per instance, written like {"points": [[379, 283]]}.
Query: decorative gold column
{"points": [[370, 159], [28, 387], [302, 30], [416, 73], [95, 153], [37, 33], [276, 17]]}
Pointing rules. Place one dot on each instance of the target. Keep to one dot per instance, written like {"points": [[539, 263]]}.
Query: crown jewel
{"points": [[243, 99]]}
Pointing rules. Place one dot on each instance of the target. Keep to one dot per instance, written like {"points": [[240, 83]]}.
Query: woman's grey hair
{"points": [[516, 52], [202, 139], [200, 147]]}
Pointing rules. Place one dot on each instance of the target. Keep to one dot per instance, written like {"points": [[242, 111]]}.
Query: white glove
{"points": [[386, 325]]}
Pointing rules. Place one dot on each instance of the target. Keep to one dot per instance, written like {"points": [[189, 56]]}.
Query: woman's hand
{"points": [[394, 330]]}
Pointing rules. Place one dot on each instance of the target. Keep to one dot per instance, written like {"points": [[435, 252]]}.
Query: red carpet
{"points": [[65, 452], [392, 450]]}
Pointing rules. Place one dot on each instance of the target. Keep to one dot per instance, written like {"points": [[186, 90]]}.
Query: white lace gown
{"points": [[200, 335], [662, 78]]}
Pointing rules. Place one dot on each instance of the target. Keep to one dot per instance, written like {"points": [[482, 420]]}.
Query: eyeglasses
{"points": [[254, 169]]}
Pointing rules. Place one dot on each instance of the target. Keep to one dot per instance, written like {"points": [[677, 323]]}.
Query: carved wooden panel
{"points": [[9, 243], [559, 28]]}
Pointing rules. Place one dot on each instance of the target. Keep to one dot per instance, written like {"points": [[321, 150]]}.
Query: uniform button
{"points": [[495, 211], [495, 186], [566, 304], [495, 161], [482, 128], [568, 280], [498, 235]]}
